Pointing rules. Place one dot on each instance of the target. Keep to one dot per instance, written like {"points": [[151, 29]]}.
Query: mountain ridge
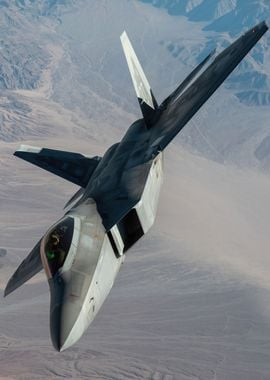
{"points": [[87, 79]]}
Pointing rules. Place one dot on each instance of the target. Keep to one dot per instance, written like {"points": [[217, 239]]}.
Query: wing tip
{"points": [[259, 28], [263, 24], [7, 290]]}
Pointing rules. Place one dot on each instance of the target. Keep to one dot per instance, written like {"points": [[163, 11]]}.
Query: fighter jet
{"points": [[117, 201]]}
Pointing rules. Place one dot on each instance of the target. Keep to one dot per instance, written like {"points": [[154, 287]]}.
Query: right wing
{"points": [[183, 106], [30, 266], [73, 167]]}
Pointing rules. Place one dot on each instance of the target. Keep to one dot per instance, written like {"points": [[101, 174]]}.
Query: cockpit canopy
{"points": [[56, 245]]}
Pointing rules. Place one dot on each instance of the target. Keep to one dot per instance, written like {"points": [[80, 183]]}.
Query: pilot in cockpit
{"points": [[56, 245], [54, 248]]}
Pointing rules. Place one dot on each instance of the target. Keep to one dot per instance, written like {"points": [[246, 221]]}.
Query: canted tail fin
{"points": [[147, 101], [143, 90]]}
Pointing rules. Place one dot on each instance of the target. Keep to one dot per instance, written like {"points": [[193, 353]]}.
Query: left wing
{"points": [[181, 107], [186, 82]]}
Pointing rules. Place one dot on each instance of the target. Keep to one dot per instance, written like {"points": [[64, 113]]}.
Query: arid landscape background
{"points": [[192, 299]]}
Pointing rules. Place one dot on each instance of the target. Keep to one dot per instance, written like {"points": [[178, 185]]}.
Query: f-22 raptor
{"points": [[118, 196]]}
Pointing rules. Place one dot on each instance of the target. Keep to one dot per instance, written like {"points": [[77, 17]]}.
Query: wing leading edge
{"points": [[180, 108], [30, 266]]}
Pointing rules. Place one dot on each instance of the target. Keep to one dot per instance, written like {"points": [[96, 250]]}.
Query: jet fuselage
{"points": [[93, 255], [118, 196]]}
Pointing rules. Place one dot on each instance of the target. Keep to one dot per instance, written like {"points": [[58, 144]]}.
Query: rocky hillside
{"points": [[215, 13], [36, 7], [62, 68], [24, 31], [29, 51]]}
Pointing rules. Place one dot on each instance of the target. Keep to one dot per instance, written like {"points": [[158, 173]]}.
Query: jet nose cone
{"points": [[64, 332], [67, 322], [66, 328], [55, 325]]}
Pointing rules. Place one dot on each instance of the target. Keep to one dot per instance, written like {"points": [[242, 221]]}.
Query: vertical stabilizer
{"points": [[143, 90]]}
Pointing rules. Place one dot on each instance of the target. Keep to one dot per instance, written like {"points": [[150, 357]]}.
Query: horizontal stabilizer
{"points": [[73, 167], [28, 268], [143, 90], [187, 81], [182, 108]]}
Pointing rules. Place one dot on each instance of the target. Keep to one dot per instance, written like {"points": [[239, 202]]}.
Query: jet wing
{"points": [[180, 109], [28, 268], [73, 167], [186, 82]]}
